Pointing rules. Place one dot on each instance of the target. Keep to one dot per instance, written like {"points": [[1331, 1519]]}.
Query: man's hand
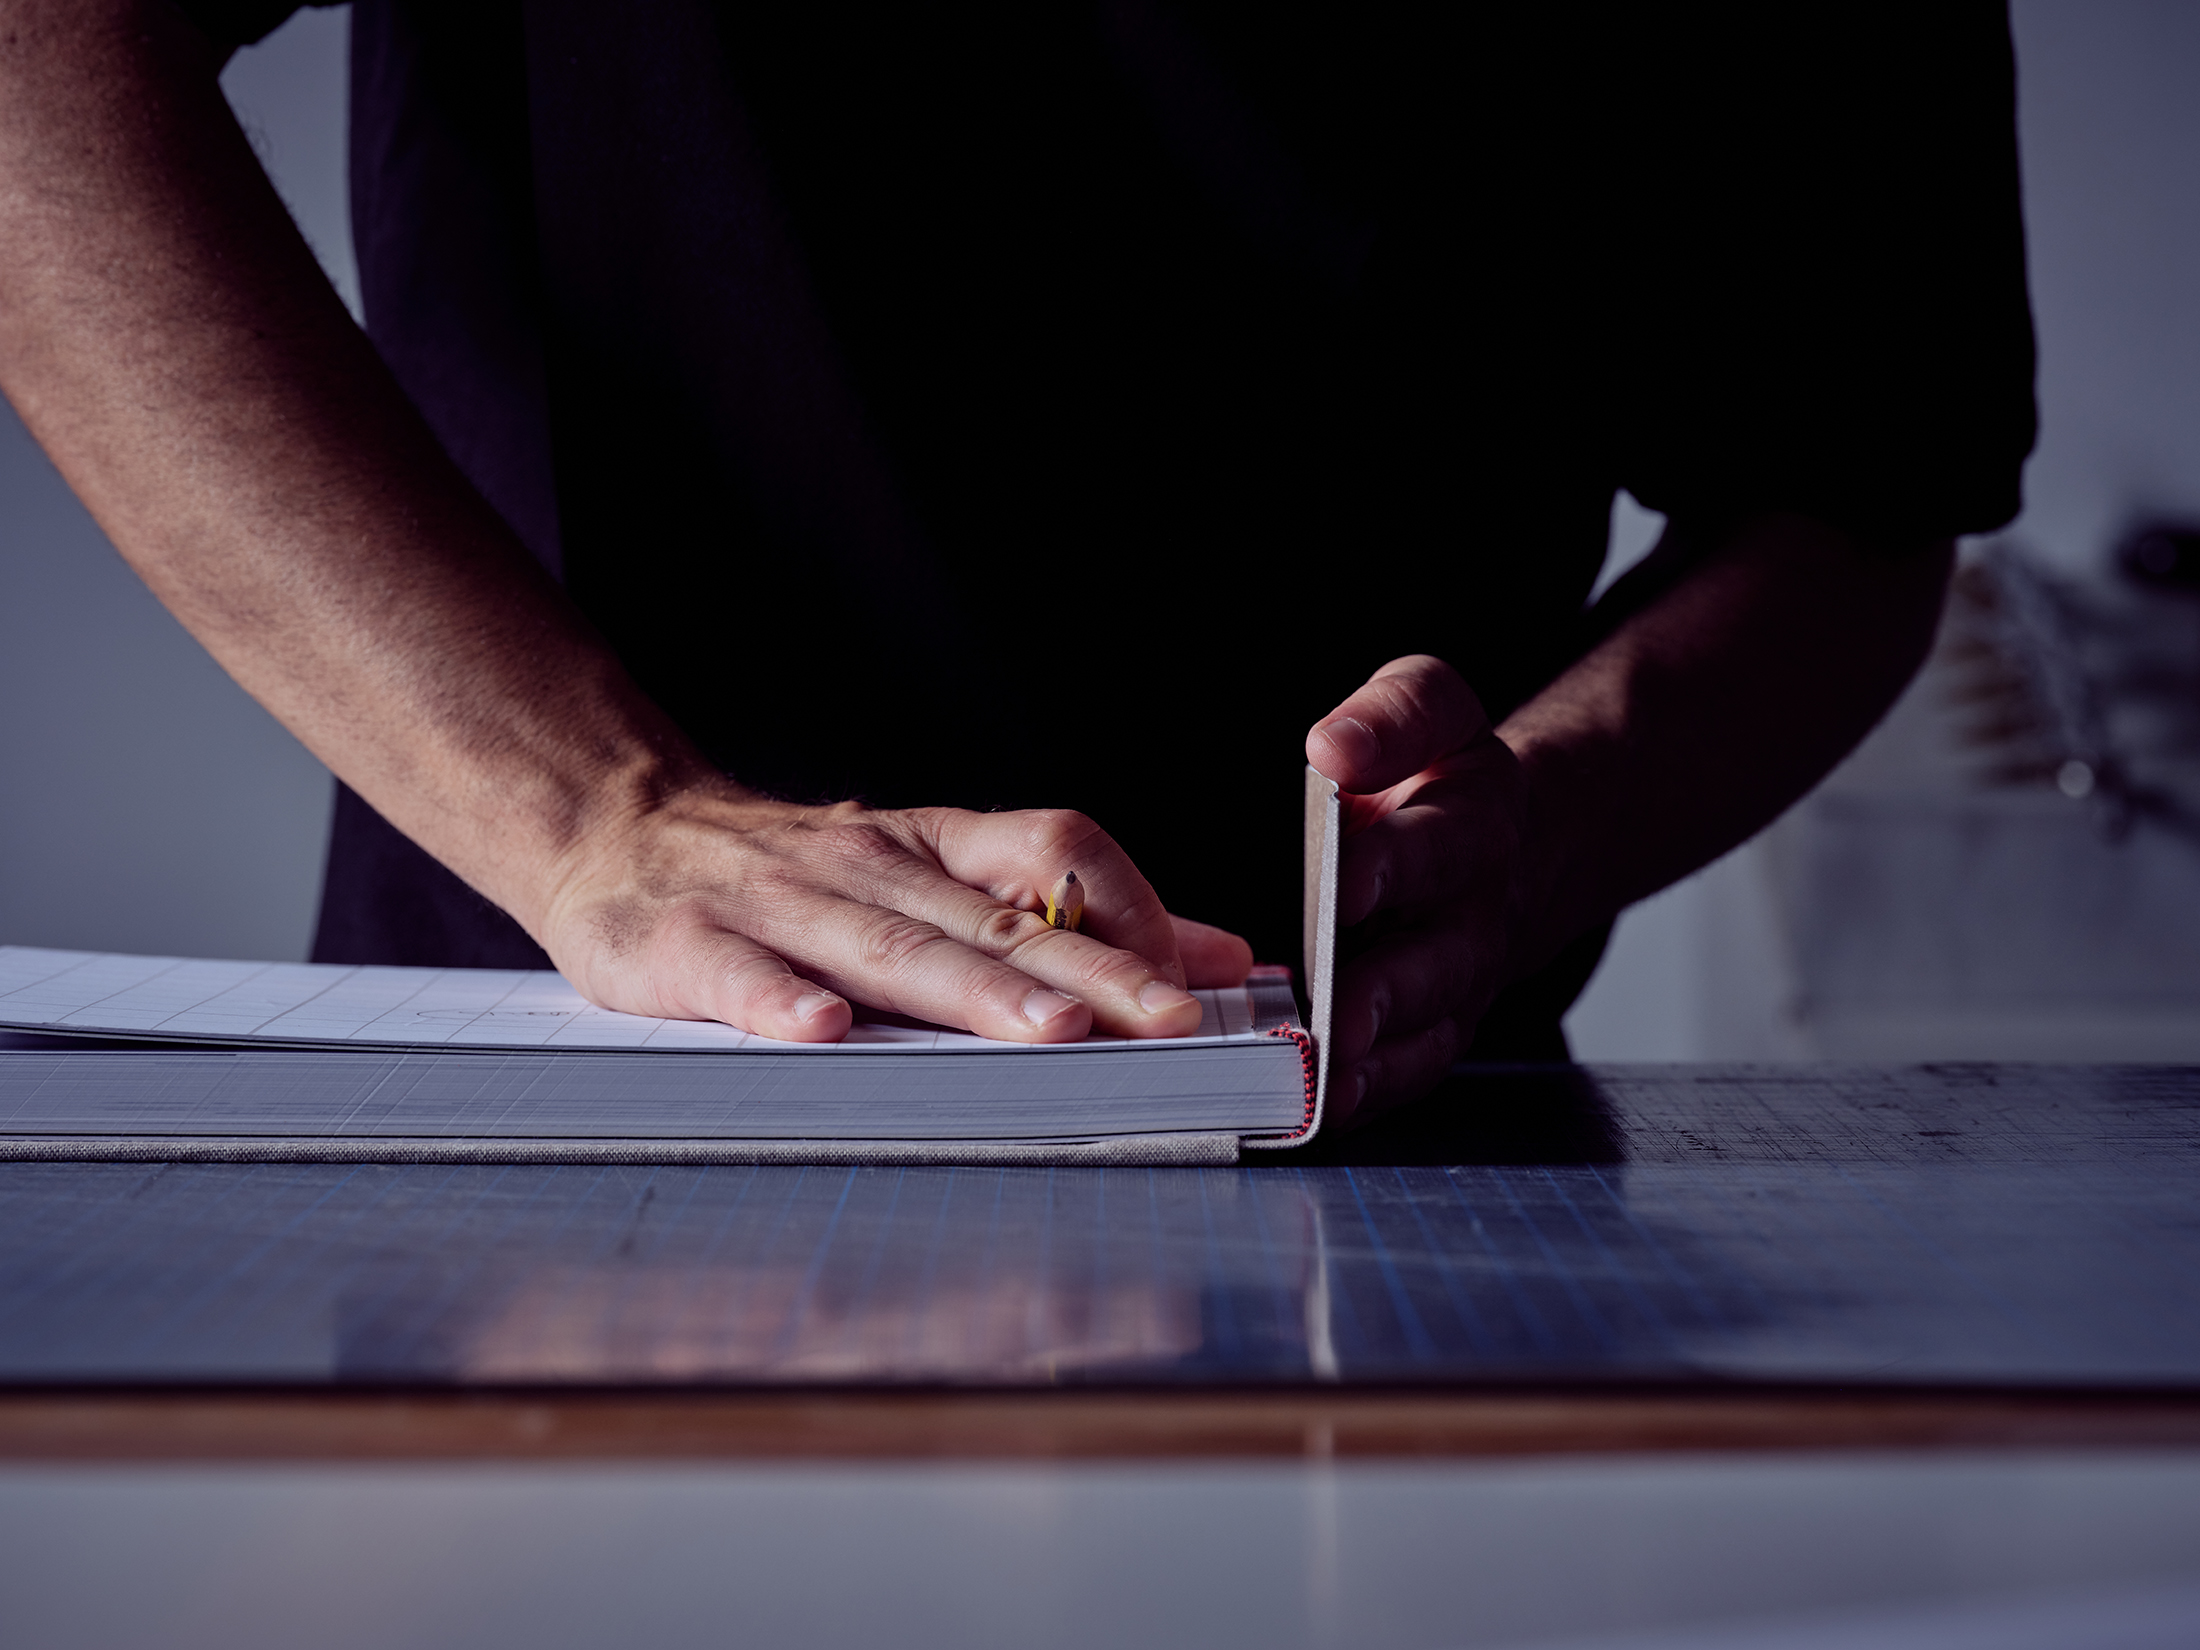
{"points": [[774, 917], [1473, 855], [1432, 873]]}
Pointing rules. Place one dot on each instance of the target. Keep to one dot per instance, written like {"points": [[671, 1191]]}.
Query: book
{"points": [[199, 1059]]}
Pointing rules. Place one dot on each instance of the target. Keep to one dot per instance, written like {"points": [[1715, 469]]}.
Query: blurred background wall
{"points": [[1917, 906], [1954, 892], [146, 804]]}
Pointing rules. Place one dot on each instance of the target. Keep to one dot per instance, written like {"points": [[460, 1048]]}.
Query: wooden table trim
{"points": [[1053, 1426]]}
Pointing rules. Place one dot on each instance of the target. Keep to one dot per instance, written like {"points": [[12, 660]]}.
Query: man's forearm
{"points": [[1705, 715], [166, 335]]}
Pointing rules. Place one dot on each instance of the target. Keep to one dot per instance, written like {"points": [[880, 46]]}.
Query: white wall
{"points": [[291, 95], [2109, 125]]}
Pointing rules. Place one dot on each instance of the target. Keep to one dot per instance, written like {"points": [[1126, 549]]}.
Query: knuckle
{"points": [[895, 944], [1143, 909], [1424, 693], [1007, 929], [1419, 671], [860, 846], [1056, 832], [754, 885], [930, 823], [1094, 969], [1406, 699], [746, 968]]}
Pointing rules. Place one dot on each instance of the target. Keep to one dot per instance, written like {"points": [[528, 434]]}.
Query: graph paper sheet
{"points": [[319, 1005], [2023, 1227]]}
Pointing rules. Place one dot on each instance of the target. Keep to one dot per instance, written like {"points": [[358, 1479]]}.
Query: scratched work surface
{"points": [[1972, 1225]]}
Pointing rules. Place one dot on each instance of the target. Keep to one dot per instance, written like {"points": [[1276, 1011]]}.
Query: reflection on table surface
{"points": [[2037, 1228]]}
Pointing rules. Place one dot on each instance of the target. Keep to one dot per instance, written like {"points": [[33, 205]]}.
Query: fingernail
{"points": [[1160, 997], [1354, 740], [1043, 1005], [815, 1004]]}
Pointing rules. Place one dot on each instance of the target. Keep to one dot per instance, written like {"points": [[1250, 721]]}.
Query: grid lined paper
{"points": [[314, 1004]]}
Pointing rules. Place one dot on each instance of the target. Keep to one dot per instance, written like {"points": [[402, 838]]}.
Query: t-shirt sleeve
{"points": [[1829, 311], [232, 23]]}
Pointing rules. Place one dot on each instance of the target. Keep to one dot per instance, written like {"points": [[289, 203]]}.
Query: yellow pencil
{"points": [[1066, 905]]}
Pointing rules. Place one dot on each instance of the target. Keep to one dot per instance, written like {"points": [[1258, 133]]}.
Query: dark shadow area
{"points": [[1493, 1114], [42, 1042]]}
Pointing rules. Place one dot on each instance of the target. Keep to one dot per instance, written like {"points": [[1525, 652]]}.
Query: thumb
{"points": [[1411, 714]]}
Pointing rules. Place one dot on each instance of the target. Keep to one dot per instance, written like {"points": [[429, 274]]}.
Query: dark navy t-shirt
{"points": [[1014, 405]]}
